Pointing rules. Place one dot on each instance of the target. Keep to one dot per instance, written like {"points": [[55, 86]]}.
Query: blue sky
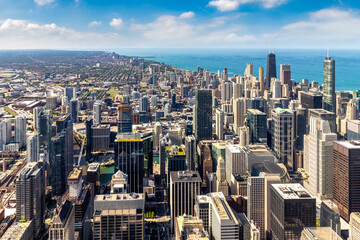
{"points": [[109, 24]]}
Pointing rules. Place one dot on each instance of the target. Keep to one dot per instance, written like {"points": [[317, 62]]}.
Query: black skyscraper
{"points": [[270, 69]]}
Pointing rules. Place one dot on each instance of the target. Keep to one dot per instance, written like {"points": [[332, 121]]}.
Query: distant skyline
{"points": [[109, 24]]}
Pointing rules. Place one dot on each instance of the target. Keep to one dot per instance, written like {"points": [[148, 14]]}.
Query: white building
{"points": [[20, 130]]}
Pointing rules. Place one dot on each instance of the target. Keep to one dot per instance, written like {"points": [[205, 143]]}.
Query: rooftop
{"points": [[124, 196], [355, 144], [75, 174], [185, 176], [292, 191], [256, 112], [282, 110], [322, 233]]}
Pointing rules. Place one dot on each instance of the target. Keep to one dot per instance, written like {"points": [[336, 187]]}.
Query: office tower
{"points": [[205, 159], [33, 148], [36, 112], [311, 100], [188, 227], [247, 229], [354, 232], [221, 183], [261, 80], [330, 216], [51, 102], [220, 117], [61, 154], [115, 210], [257, 123], [285, 74], [329, 85], [353, 130], [301, 126], [237, 91], [258, 103], [319, 233], [144, 104], [283, 136], [234, 164], [93, 179], [270, 69], [97, 112], [93, 96], [129, 158], [30, 196], [203, 115], [184, 187], [100, 137], [167, 109], [119, 182], [70, 93], [124, 118], [223, 221], [324, 115], [190, 152], [20, 131], [226, 91], [17, 230], [62, 226], [277, 91], [239, 108], [44, 127], [202, 210], [153, 101], [74, 110], [89, 134], [292, 209], [225, 74], [5, 133], [249, 71], [75, 183], [318, 158], [64, 101], [351, 113], [346, 184], [244, 136]]}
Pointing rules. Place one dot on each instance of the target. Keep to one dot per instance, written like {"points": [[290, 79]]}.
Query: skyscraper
{"points": [[292, 209], [203, 115], [221, 183], [124, 118], [329, 98], [226, 91], [129, 158], [30, 195], [270, 69], [261, 80], [74, 110], [285, 74], [190, 149], [283, 136], [97, 112], [144, 104], [257, 123], [33, 148], [5, 133], [70, 93], [184, 187], [346, 181], [20, 130], [220, 118]]}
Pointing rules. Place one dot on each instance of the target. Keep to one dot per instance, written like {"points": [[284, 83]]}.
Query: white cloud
{"points": [[43, 2], [187, 15], [22, 34], [231, 5], [95, 23], [117, 23]]}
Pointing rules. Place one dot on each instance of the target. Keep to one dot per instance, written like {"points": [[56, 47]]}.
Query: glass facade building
{"points": [[329, 97]]}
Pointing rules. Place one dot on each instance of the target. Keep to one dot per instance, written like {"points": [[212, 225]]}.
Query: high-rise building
{"points": [[354, 232], [329, 98], [292, 209], [144, 104], [62, 226], [319, 233], [5, 133], [249, 71], [203, 115], [285, 74], [277, 93], [239, 108], [184, 188], [20, 130], [129, 158], [30, 196], [318, 158], [97, 112], [223, 221], [70, 93], [261, 80], [283, 136], [351, 111], [346, 181], [301, 126], [330, 216], [311, 100], [51, 102], [226, 91], [221, 183], [234, 165], [202, 210], [270, 69], [220, 118], [74, 110], [190, 152], [61, 154], [33, 148], [225, 74], [189, 227], [124, 118], [257, 123], [119, 216]]}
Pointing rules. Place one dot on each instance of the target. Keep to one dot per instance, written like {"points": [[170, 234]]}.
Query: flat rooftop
{"points": [[256, 112], [292, 191], [322, 233], [185, 176], [114, 197], [354, 144]]}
